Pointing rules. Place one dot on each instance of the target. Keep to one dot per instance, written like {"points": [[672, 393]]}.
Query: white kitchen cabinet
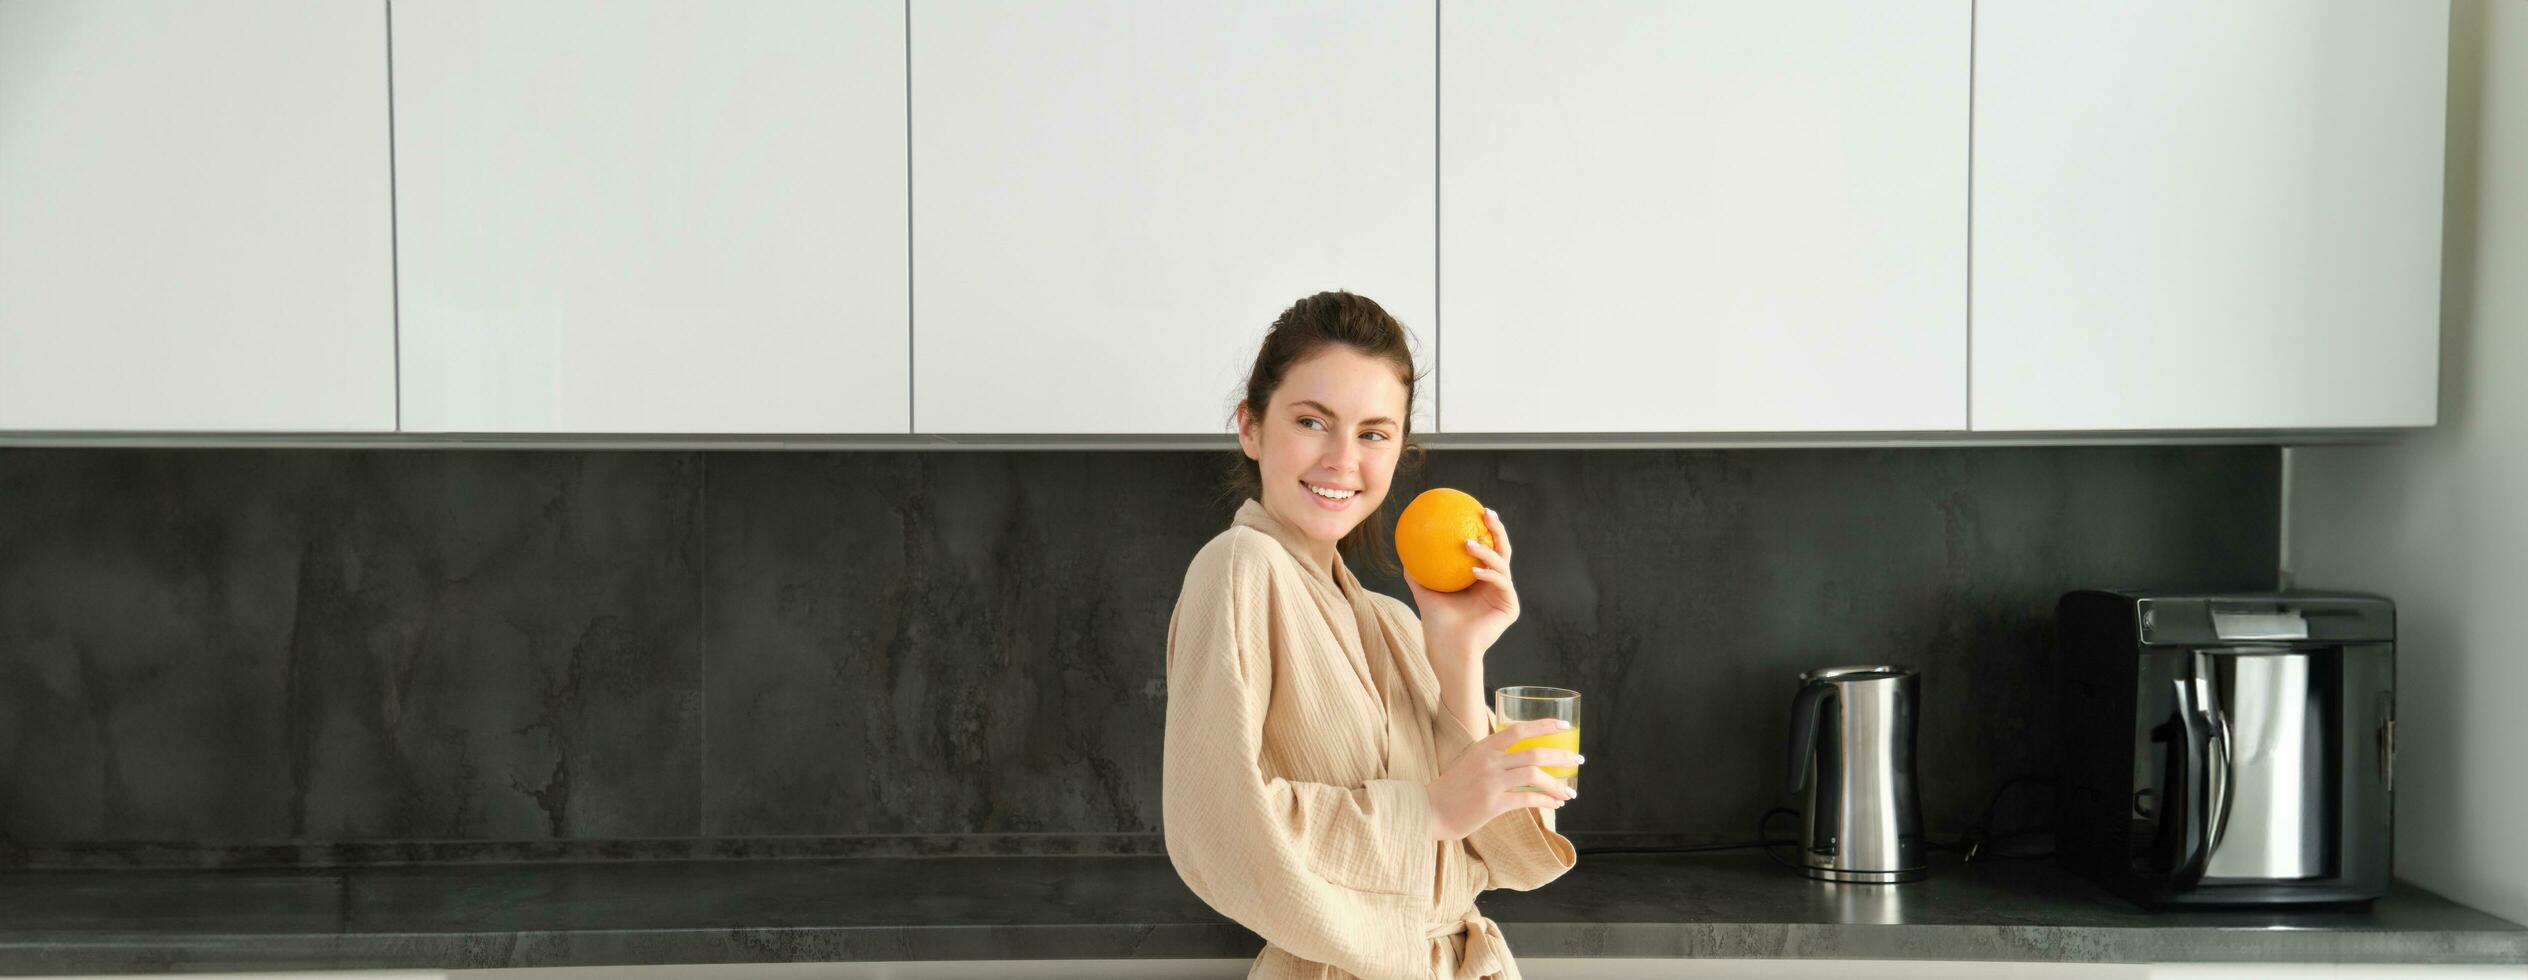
{"points": [[2207, 215], [668, 216], [1112, 199], [1709, 216], [194, 221]]}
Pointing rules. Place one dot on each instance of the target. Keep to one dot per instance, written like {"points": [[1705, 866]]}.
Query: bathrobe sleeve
{"points": [[1519, 848], [1341, 875]]}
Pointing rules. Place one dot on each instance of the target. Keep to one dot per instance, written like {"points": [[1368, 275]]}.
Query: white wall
{"points": [[2439, 522]]}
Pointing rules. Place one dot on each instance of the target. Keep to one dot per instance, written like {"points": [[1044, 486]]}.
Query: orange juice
{"points": [[1567, 740]]}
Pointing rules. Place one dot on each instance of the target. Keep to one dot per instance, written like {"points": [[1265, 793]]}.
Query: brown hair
{"points": [[1309, 326]]}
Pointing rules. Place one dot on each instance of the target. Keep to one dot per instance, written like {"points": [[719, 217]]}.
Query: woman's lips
{"points": [[1322, 501]]}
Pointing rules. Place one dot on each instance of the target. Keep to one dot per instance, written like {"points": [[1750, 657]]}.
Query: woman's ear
{"points": [[1248, 434]]}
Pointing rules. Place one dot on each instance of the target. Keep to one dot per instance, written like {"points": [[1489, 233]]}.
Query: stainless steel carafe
{"points": [[1852, 762]]}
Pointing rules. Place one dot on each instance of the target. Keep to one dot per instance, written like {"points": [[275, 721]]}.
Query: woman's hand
{"points": [[1479, 787], [1464, 623]]}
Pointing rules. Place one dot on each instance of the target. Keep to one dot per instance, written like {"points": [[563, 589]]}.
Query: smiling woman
{"points": [[1323, 784]]}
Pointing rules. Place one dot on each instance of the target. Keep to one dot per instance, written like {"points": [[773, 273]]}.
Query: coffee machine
{"points": [[2228, 749]]}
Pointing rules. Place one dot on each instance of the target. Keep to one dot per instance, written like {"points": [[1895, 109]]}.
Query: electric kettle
{"points": [[1852, 762]]}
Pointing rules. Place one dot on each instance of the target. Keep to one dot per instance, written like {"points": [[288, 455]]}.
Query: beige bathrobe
{"points": [[1303, 719]]}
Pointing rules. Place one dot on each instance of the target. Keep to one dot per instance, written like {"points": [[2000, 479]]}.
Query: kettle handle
{"points": [[2195, 787], [1804, 714]]}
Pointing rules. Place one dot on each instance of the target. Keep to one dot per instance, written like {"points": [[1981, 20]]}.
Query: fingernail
{"points": [[1560, 725], [1489, 512], [1580, 760]]}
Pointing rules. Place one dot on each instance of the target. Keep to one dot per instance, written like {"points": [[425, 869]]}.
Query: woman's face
{"points": [[1328, 442]]}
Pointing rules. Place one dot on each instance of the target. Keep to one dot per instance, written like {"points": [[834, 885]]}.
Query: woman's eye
{"points": [[1374, 436], [1310, 423]]}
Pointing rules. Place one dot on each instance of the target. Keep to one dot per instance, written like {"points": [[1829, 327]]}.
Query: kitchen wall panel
{"points": [[627, 650]]}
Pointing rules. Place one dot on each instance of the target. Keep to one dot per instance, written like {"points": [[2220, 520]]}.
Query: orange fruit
{"points": [[1431, 538]]}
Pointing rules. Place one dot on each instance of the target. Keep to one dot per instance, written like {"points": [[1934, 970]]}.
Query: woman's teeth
{"points": [[1328, 492]]}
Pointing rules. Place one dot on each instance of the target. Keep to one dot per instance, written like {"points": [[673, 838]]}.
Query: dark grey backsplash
{"points": [[257, 646]]}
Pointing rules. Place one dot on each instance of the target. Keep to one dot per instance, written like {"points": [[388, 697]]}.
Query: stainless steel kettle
{"points": [[1852, 761]]}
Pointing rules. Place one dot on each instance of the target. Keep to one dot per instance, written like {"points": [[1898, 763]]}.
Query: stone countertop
{"points": [[1733, 905]]}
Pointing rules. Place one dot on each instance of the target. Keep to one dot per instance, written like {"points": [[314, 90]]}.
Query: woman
{"points": [[1325, 785]]}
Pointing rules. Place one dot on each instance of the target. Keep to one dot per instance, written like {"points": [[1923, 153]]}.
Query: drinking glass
{"points": [[1511, 705]]}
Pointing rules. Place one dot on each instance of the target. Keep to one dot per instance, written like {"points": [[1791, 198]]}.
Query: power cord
{"points": [[1761, 841], [1976, 842], [1673, 849], [1766, 821], [1982, 836]]}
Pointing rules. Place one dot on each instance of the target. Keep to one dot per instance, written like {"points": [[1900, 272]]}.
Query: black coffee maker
{"points": [[2235, 749]]}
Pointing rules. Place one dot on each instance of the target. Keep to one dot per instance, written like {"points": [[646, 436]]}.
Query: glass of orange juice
{"points": [[1511, 705]]}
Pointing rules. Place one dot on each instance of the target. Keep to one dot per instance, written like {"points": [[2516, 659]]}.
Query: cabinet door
{"points": [[1705, 216], [194, 217], [1112, 199], [652, 215], [2207, 215]]}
